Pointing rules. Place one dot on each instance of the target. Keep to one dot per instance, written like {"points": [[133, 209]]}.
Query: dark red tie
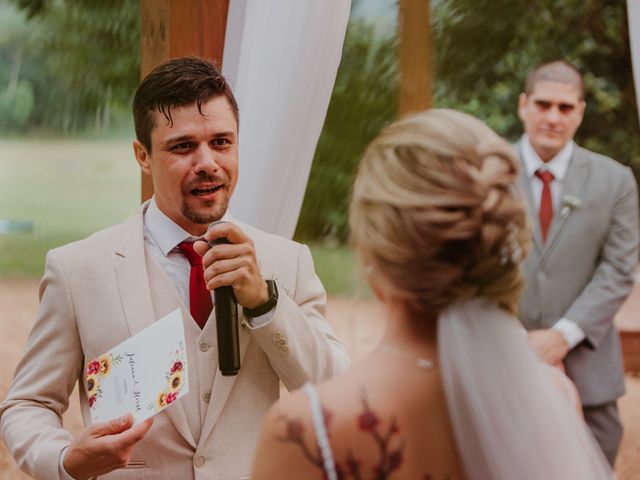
{"points": [[546, 203], [200, 304]]}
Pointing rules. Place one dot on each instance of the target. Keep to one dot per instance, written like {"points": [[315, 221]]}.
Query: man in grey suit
{"points": [[584, 208]]}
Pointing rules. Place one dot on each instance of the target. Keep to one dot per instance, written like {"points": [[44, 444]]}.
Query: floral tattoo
{"points": [[390, 447]]}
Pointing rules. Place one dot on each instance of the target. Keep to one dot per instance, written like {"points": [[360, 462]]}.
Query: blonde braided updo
{"points": [[436, 213]]}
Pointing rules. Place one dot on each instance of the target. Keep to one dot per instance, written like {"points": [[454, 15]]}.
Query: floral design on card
{"points": [[175, 381], [98, 369], [142, 375]]}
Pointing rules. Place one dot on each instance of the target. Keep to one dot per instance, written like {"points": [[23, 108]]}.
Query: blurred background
{"points": [[68, 70]]}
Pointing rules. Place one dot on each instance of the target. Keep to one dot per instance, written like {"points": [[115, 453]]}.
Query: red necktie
{"points": [[546, 204], [200, 304]]}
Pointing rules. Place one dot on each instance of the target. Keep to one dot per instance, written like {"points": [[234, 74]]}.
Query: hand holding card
{"points": [[101, 448]]}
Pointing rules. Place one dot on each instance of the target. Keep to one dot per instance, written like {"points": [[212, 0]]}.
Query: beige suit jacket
{"points": [[97, 292]]}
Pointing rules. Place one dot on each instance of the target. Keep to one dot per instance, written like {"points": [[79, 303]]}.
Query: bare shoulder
{"points": [[286, 448], [374, 428]]}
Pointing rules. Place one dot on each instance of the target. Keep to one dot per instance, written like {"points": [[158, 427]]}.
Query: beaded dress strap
{"points": [[321, 431]]}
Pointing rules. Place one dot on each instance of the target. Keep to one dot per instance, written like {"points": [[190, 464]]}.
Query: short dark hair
{"points": [[555, 71], [177, 82]]}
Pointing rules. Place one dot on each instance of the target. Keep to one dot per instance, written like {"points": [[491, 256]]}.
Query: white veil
{"points": [[511, 421]]}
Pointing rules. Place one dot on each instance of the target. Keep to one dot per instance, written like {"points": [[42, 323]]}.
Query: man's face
{"points": [[193, 163], [551, 114]]}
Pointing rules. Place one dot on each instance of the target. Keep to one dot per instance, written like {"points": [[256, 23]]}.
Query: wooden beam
{"points": [[630, 350], [178, 28], [416, 59], [628, 325]]}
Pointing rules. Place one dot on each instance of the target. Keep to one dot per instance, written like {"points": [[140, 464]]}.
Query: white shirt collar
{"points": [[162, 230], [558, 165], [165, 232]]}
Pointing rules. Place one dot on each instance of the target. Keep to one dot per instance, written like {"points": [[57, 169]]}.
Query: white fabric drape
{"points": [[281, 59], [633, 14]]}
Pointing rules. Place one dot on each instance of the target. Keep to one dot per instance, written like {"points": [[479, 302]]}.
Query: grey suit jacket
{"points": [[584, 271], [97, 292]]}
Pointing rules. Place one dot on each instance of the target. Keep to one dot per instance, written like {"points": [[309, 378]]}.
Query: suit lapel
{"points": [[573, 185], [166, 299], [131, 273], [135, 293], [525, 186]]}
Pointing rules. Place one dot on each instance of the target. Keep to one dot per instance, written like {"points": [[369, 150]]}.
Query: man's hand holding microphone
{"points": [[232, 264], [231, 271]]}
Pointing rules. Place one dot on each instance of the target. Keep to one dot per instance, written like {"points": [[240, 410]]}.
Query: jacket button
{"points": [[277, 336], [285, 349], [281, 342], [199, 461], [207, 397]]}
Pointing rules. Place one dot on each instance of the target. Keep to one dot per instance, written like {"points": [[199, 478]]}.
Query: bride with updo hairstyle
{"points": [[453, 390]]}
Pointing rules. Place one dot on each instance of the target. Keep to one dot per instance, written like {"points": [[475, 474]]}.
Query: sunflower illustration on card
{"points": [[143, 375]]}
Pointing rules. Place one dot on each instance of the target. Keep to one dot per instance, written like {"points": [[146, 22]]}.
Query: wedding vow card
{"points": [[143, 375]]}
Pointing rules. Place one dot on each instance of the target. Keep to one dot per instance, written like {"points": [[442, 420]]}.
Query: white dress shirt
{"points": [[162, 236], [558, 166]]}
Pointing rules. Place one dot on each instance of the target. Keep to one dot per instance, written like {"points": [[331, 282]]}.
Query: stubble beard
{"points": [[204, 216], [208, 211]]}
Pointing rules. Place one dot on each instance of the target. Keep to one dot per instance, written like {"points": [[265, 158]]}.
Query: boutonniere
{"points": [[569, 203]]}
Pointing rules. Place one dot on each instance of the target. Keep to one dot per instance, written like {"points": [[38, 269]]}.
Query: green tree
{"points": [[81, 58], [485, 48], [362, 102], [16, 93], [16, 106]]}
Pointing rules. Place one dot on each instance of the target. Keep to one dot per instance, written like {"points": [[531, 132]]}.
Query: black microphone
{"points": [[226, 324]]}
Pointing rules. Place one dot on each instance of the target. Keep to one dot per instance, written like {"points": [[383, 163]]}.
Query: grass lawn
{"points": [[338, 269], [67, 188], [72, 188]]}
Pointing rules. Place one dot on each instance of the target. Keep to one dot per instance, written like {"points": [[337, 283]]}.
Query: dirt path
{"points": [[358, 324]]}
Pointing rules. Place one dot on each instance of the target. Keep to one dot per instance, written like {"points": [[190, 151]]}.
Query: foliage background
{"points": [[484, 50], [76, 60], [68, 68]]}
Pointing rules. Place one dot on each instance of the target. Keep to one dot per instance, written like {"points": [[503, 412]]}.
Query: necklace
{"points": [[421, 362]]}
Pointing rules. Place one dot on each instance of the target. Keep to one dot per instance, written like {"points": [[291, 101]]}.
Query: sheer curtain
{"points": [[511, 421], [633, 14], [281, 58]]}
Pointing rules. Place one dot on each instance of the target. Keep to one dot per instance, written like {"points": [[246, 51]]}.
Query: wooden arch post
{"points": [[177, 28], [416, 62]]}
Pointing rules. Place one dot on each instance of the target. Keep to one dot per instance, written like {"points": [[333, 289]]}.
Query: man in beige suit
{"points": [[97, 292]]}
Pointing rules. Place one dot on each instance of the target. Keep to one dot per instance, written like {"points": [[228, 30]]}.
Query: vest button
{"points": [[206, 397], [199, 461], [204, 347]]}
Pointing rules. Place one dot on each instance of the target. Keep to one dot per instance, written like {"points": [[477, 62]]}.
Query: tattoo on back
{"points": [[390, 446]]}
